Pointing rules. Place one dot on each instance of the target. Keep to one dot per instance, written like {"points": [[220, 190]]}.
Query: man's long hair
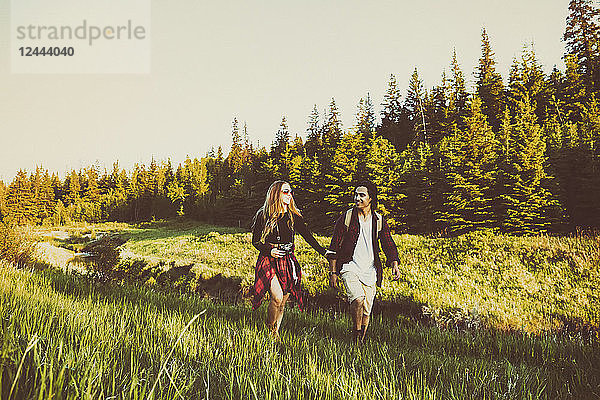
{"points": [[372, 190], [274, 208]]}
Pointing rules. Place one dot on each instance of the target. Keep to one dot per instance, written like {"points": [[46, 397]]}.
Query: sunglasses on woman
{"points": [[286, 191]]}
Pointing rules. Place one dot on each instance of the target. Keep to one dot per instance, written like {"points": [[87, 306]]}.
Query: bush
{"points": [[105, 253], [15, 248]]}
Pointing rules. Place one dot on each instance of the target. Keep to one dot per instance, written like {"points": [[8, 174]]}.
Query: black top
{"points": [[282, 233]]}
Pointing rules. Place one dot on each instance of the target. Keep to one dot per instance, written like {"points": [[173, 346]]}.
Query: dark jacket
{"points": [[282, 234], [344, 241]]}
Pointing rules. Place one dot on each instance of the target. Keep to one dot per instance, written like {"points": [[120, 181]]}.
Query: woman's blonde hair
{"points": [[274, 208]]}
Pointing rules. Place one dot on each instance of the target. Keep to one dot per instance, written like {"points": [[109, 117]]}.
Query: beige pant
{"points": [[355, 289]]}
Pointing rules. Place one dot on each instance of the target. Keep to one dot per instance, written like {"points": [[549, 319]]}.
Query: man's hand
{"points": [[333, 278], [395, 271]]}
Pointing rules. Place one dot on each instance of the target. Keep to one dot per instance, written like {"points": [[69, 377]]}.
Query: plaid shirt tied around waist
{"points": [[267, 267]]}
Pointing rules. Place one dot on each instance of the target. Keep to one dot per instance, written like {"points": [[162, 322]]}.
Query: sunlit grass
{"points": [[525, 283], [90, 341]]}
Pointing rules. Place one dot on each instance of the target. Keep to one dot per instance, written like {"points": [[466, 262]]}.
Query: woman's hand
{"points": [[275, 252], [395, 271]]}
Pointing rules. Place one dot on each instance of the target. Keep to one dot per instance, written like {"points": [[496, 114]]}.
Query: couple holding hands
{"points": [[353, 254]]}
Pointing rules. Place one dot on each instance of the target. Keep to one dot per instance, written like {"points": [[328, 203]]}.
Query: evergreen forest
{"points": [[518, 155]]}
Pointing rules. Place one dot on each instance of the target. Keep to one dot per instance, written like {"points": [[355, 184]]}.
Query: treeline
{"points": [[520, 156]]}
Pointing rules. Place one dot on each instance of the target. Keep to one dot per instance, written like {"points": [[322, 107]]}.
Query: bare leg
{"points": [[280, 315], [276, 307], [356, 311], [365, 325]]}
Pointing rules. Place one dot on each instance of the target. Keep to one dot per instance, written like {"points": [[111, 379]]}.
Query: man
{"points": [[354, 255]]}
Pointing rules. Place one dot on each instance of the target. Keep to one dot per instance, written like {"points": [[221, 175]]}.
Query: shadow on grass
{"points": [[390, 326], [163, 230]]}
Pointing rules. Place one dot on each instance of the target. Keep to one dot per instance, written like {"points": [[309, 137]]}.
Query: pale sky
{"points": [[257, 61]]}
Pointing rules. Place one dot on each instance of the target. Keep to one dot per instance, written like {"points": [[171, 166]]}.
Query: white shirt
{"points": [[363, 259]]}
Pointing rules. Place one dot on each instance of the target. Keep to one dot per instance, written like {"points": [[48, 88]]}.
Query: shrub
{"points": [[15, 248], [105, 253]]}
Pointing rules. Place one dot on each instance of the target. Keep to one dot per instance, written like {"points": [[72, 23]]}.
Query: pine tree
{"points": [[416, 214], [457, 105], [332, 134], [235, 159], [92, 191], [176, 193], [282, 140], [470, 201], [20, 200], [345, 171], [489, 84], [280, 151], [36, 190], [3, 190], [572, 93], [296, 155], [580, 172], [413, 104], [46, 202], [529, 206], [314, 143], [72, 188], [365, 118], [527, 83], [135, 192], [582, 39], [395, 125], [115, 203], [383, 169], [437, 112]]}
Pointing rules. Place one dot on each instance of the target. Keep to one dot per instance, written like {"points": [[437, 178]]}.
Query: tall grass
{"points": [[15, 247], [65, 337], [526, 283]]}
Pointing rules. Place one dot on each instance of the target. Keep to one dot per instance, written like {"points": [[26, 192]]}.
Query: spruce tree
{"points": [[47, 201], [457, 102], [528, 83], [416, 214], [72, 188], [582, 39], [332, 134], [20, 200], [365, 118], [470, 201], [529, 206], [235, 159], [437, 112], [572, 93], [413, 104], [490, 88], [3, 190], [345, 171], [280, 151], [394, 122], [91, 191], [383, 169], [314, 143]]}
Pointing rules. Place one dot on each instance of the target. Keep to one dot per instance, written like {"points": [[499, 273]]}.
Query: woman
{"points": [[277, 270]]}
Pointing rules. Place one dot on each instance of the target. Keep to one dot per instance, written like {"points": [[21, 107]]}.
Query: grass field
{"points": [[506, 318], [65, 337], [525, 283]]}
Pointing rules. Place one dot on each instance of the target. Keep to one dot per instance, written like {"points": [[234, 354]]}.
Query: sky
{"points": [[257, 61]]}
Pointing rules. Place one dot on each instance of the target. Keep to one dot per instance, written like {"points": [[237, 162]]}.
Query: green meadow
{"points": [[477, 316]]}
